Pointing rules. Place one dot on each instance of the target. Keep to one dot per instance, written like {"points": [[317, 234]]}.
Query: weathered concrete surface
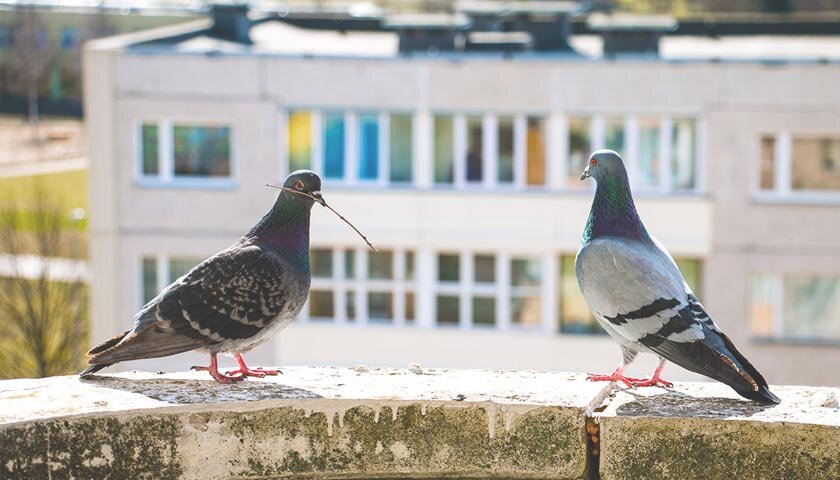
{"points": [[705, 431], [395, 423], [326, 422]]}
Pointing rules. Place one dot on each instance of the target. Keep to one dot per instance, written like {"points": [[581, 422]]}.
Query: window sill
{"points": [[189, 183], [797, 341], [797, 198]]}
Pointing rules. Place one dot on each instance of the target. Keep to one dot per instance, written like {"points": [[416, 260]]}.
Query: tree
{"points": [[43, 307], [31, 57]]}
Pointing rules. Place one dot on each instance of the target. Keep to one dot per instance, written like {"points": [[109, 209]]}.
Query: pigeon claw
{"points": [[616, 377], [258, 372], [654, 382]]}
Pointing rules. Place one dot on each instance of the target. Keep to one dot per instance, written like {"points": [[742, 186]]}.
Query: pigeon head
{"points": [[604, 164], [303, 186]]}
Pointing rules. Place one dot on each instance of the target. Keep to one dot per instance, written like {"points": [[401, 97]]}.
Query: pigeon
{"points": [[234, 300], [641, 299]]}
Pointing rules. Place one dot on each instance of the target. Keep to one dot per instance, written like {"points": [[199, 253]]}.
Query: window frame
{"points": [[166, 177], [783, 191]]}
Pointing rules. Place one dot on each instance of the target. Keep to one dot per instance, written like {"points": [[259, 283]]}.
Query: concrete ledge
{"points": [[388, 423]]}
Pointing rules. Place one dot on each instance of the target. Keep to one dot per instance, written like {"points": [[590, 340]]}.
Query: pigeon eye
{"points": [[299, 185], [593, 162]]}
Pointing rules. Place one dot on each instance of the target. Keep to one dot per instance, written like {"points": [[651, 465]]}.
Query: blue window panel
{"points": [[334, 145], [368, 147]]}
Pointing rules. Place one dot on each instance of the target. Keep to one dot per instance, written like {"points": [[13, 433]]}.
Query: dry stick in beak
{"points": [[320, 200]]}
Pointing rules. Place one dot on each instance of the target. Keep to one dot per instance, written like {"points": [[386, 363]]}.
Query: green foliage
{"points": [[43, 320]]}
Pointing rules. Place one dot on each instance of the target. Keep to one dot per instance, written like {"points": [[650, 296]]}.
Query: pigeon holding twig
{"points": [[639, 296], [234, 300]]}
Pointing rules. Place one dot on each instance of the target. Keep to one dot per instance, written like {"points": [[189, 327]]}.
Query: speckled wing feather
{"points": [[231, 296]]}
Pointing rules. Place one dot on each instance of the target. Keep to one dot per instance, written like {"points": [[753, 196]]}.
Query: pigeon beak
{"points": [[585, 174], [319, 198]]}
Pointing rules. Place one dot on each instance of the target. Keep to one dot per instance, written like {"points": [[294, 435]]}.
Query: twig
{"points": [[316, 200]]}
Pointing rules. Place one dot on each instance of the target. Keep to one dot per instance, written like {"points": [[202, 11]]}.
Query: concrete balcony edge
{"points": [[327, 422]]}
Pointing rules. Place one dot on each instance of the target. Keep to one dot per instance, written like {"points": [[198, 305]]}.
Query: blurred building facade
{"points": [[459, 156]]}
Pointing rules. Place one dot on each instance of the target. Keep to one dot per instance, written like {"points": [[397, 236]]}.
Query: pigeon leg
{"points": [[616, 376], [247, 371], [656, 379], [213, 369]]}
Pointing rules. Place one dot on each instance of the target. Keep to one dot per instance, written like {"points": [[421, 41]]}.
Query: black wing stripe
{"points": [[680, 322], [647, 311]]}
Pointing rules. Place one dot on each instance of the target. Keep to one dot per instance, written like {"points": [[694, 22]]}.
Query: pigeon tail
{"points": [[93, 369], [149, 342]]}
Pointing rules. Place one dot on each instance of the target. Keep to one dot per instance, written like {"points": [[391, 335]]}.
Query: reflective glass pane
{"points": [[812, 306], [575, 316], [443, 149], [409, 265], [762, 317], [691, 270], [580, 146], [181, 265], [334, 145], [535, 151], [350, 301], [349, 264], [368, 146], [380, 306], [201, 151], [614, 134], [474, 149], [381, 265], [299, 137], [768, 163], [525, 272], [449, 269], [409, 307], [401, 148], [648, 171], [505, 153], [321, 304], [149, 133], [525, 310], [447, 309], [484, 311], [485, 268], [683, 152], [816, 164], [150, 289], [321, 264]]}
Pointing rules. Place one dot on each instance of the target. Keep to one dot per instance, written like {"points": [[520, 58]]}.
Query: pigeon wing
{"points": [[231, 296]]}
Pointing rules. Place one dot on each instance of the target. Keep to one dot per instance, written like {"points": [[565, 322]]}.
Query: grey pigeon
{"points": [[234, 300], [639, 296]]}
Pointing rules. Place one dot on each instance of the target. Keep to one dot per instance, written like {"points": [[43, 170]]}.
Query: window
{"points": [[799, 164], [401, 148], [444, 166], [357, 285], [149, 133], [172, 152], [816, 164], [648, 166], [69, 38], [299, 137], [368, 146], [525, 302], [796, 306], [475, 140], [683, 153], [575, 316], [159, 272], [448, 268], [505, 149], [768, 163], [333, 145], [201, 151], [484, 290], [614, 135], [535, 151], [447, 300], [580, 147]]}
